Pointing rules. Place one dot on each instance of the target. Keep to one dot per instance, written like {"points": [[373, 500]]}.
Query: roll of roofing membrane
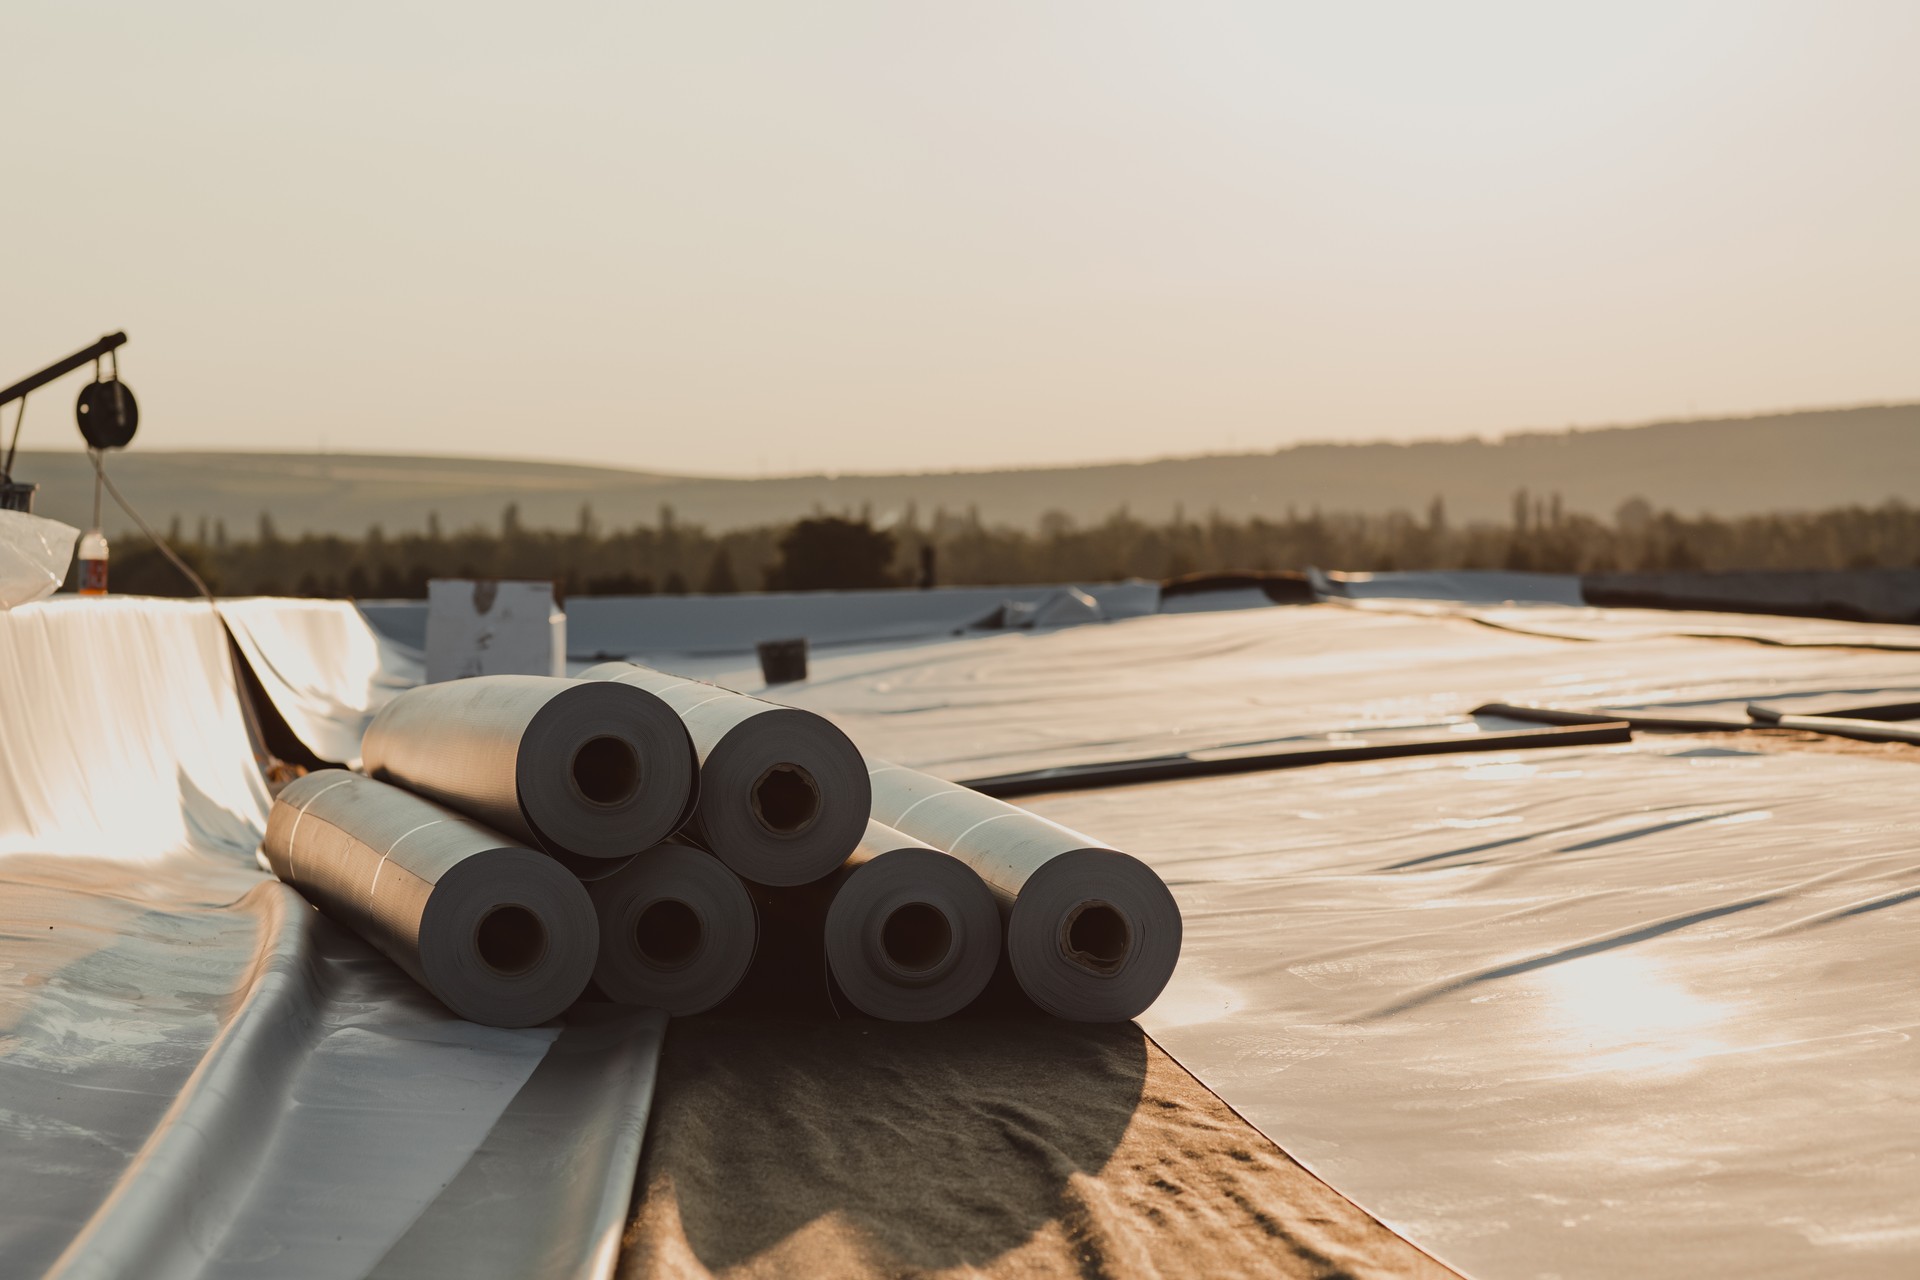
{"points": [[590, 772], [677, 930], [501, 935], [784, 796], [902, 932], [1092, 934], [912, 934]]}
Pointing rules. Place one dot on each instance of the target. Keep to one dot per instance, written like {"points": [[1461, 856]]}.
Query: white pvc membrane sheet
{"points": [[973, 707], [1641, 1010], [326, 671], [1543, 1030], [1590, 1011], [199, 1074], [1581, 622]]}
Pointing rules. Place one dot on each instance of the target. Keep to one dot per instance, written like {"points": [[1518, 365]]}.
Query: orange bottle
{"points": [[93, 563]]}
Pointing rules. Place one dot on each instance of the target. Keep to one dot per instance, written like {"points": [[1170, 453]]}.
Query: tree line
{"points": [[665, 555]]}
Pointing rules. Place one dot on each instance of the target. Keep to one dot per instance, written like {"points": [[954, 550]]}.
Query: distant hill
{"points": [[1732, 466]]}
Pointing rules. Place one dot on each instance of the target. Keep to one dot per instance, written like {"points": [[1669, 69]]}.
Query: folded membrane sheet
{"points": [[783, 792], [677, 930], [499, 934], [322, 668], [1092, 934], [590, 772]]}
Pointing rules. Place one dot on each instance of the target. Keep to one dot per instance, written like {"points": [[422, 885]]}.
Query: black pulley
{"points": [[107, 414]]}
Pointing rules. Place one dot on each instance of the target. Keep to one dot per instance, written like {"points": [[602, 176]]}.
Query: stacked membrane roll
{"points": [[783, 793], [902, 932], [670, 841], [912, 934], [499, 933], [1092, 934], [591, 773]]}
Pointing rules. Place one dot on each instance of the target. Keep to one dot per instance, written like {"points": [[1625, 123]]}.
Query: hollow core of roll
{"points": [[606, 770], [667, 933], [510, 939], [916, 936], [786, 799], [1095, 936]]}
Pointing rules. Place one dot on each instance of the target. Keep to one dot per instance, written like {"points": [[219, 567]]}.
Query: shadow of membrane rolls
{"points": [[590, 772], [784, 796], [501, 935], [1092, 934], [677, 930], [912, 934]]}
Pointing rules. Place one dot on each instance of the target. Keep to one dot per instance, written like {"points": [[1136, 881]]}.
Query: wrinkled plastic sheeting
{"points": [[979, 705], [1636, 1011], [325, 669], [199, 1075], [34, 555]]}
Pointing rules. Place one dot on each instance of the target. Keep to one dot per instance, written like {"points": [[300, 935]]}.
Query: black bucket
{"points": [[16, 497], [783, 661]]}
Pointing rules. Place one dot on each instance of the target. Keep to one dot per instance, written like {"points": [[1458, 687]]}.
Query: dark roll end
{"points": [[604, 771], [916, 937], [784, 797], [508, 938], [668, 933], [677, 930], [1094, 936], [913, 935]]}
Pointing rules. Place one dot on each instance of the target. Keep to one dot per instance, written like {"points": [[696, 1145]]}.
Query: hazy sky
{"points": [[725, 238]]}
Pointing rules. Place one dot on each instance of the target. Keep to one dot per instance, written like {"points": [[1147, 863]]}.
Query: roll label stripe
{"points": [[374, 884], [293, 844]]}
